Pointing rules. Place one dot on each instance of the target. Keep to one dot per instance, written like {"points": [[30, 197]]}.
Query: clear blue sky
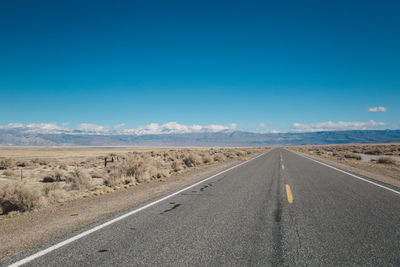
{"points": [[200, 62]]}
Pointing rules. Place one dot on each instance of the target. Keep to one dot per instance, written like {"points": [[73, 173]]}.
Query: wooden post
{"points": [[105, 162], [21, 174]]}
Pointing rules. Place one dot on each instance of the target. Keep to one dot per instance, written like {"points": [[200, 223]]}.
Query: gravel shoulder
{"points": [[24, 231]]}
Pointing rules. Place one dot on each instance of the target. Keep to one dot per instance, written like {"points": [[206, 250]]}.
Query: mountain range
{"points": [[18, 137]]}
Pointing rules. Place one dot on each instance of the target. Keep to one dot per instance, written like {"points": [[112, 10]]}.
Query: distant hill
{"points": [[17, 137]]}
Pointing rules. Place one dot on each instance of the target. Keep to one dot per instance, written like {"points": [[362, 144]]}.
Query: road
{"points": [[278, 209]]}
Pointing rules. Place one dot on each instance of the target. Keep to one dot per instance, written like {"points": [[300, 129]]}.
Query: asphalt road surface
{"points": [[280, 209]]}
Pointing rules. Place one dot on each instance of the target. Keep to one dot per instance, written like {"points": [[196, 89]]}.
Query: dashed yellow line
{"points": [[289, 194]]}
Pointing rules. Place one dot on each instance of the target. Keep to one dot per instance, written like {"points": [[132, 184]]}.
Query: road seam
{"points": [[348, 173], [101, 226]]}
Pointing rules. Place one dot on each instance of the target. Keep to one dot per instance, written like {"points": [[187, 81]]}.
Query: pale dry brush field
{"points": [[382, 158], [33, 178]]}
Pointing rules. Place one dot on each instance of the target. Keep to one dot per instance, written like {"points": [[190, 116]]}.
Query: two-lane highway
{"points": [[278, 209]]}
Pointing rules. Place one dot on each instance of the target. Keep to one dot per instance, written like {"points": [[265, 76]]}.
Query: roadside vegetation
{"points": [[28, 184], [380, 159]]}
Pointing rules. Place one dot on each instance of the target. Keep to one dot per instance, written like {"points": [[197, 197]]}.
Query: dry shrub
{"points": [[57, 195], [49, 187], [23, 163], [57, 176], [63, 166], [6, 163], [78, 179], [176, 166], [373, 151], [17, 196], [54, 192], [386, 160], [338, 155], [207, 159], [41, 162], [230, 154], [240, 153], [96, 174], [48, 179], [162, 173], [192, 160], [114, 178], [352, 156], [219, 157], [137, 168]]}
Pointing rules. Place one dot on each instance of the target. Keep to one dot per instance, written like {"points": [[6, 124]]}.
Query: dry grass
{"points": [[352, 156], [61, 175], [78, 179], [219, 157], [386, 160], [41, 162], [6, 163], [177, 166], [8, 173], [136, 168], [17, 196], [192, 160]]}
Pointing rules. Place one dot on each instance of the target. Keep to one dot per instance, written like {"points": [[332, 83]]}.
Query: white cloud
{"points": [[174, 127], [88, 127], [377, 109], [93, 129], [118, 126], [12, 126], [44, 127], [337, 126], [272, 131]]}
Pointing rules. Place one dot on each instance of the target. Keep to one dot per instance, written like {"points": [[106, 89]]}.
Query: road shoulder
{"points": [[373, 176]]}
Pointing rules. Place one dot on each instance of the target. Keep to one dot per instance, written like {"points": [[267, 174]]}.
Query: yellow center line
{"points": [[289, 194]]}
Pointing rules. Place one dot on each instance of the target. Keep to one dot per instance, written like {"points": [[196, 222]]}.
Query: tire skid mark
{"points": [[172, 208]]}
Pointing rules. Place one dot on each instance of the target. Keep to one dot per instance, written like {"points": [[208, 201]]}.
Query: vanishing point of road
{"points": [[279, 209]]}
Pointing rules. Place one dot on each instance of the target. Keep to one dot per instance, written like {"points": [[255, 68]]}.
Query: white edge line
{"points": [[74, 238], [355, 176]]}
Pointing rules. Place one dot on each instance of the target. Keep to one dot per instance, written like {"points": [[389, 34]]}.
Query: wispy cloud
{"points": [[89, 127], [377, 109], [337, 126], [262, 127], [174, 127], [92, 129]]}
